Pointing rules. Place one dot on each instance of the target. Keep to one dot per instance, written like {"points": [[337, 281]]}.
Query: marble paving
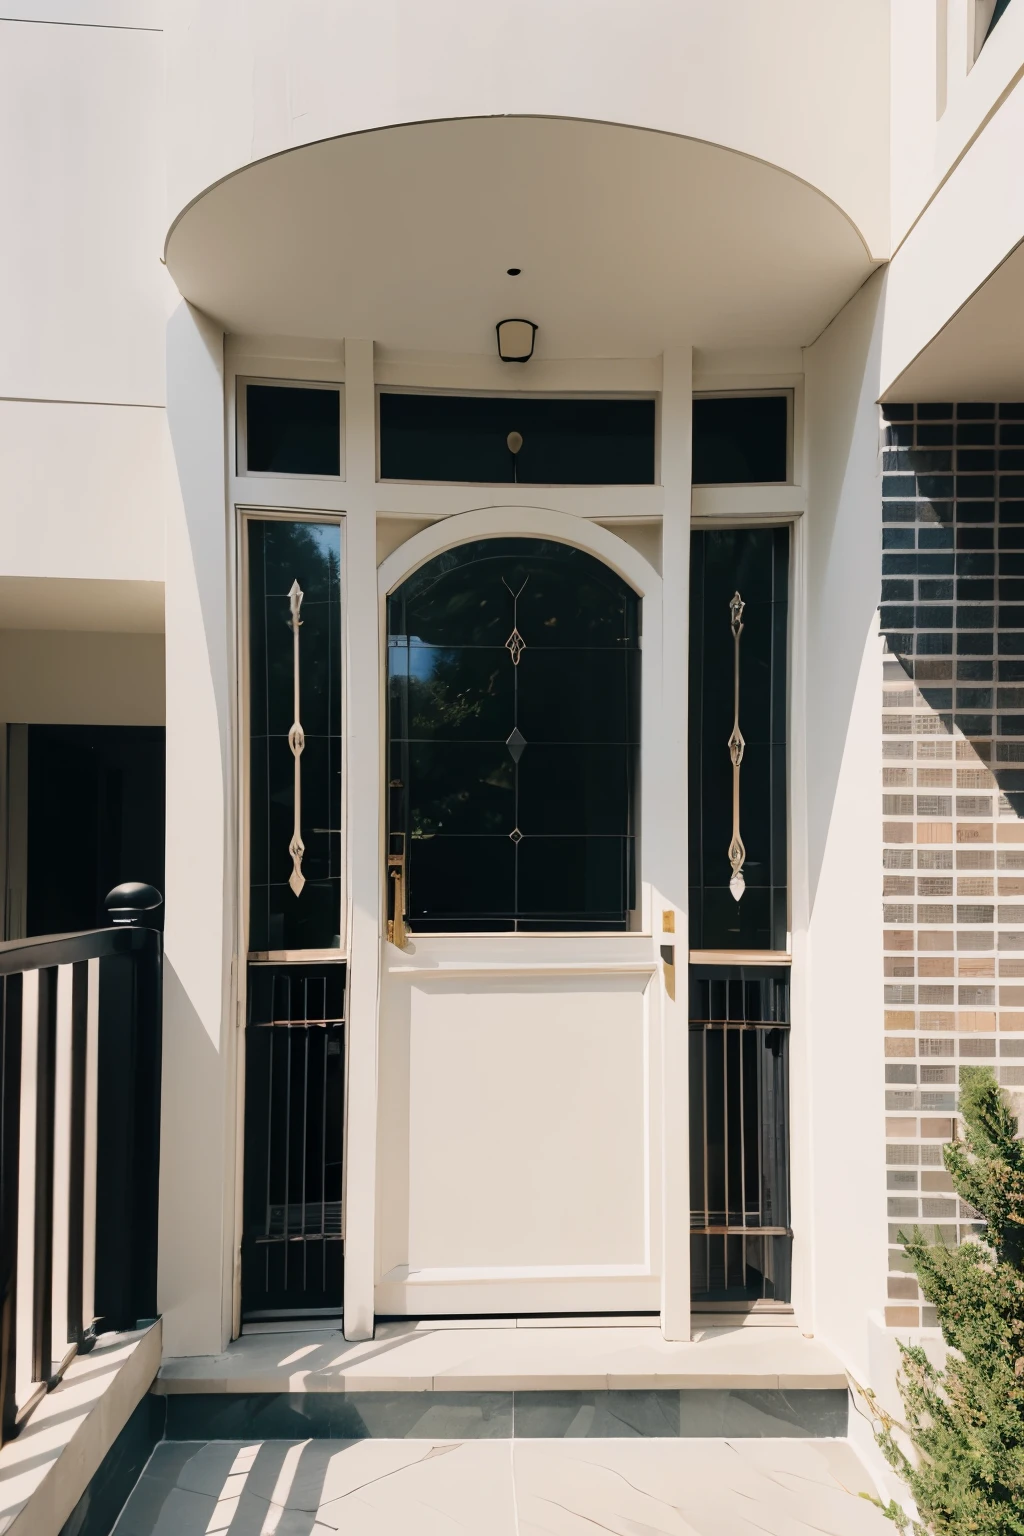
{"points": [[503, 1488]]}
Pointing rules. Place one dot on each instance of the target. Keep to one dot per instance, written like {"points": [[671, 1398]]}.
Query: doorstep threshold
{"points": [[419, 1356]]}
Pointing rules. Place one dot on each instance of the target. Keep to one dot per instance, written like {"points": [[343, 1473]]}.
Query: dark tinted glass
{"points": [[513, 678], [755, 563], [292, 431], [280, 554], [740, 440], [565, 442]]}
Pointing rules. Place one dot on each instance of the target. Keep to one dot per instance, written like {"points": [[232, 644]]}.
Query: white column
{"points": [[197, 1165], [362, 723], [669, 877]]}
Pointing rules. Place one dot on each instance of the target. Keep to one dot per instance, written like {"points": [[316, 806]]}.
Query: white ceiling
{"points": [[979, 354], [628, 241]]}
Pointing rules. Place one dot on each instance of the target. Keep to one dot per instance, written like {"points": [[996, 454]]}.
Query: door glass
{"points": [[294, 735], [513, 684]]}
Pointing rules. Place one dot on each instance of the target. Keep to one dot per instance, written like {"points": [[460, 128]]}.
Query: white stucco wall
{"points": [[801, 85], [942, 97], [197, 1162], [838, 1074], [83, 296]]}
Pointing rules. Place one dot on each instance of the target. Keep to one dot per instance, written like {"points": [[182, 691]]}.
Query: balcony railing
{"points": [[80, 1021]]}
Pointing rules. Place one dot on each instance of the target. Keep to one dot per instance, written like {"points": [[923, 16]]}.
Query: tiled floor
{"points": [[503, 1488]]}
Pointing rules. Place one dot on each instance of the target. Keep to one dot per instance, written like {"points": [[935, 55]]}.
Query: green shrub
{"points": [[966, 1420]]}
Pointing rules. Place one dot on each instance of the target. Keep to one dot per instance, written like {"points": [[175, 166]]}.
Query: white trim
{"points": [[761, 391], [596, 503], [668, 867], [365, 846], [446, 1293], [520, 522], [240, 398], [737, 504], [462, 374]]}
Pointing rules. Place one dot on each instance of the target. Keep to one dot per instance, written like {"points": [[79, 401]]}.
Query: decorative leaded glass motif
{"points": [[513, 673], [294, 735], [739, 580]]}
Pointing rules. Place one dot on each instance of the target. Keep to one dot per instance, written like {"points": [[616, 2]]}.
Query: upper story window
{"points": [[741, 439], [288, 428], [516, 439]]}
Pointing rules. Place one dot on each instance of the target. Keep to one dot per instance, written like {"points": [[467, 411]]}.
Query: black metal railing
{"points": [[740, 1237], [80, 1022]]}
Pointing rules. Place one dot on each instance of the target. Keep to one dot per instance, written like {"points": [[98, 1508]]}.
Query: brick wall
{"points": [[952, 615]]}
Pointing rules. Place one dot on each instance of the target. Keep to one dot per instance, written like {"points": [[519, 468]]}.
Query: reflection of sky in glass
{"points": [[423, 660], [327, 537]]}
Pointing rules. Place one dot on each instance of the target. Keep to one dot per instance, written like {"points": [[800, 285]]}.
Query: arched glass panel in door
{"points": [[513, 689]]}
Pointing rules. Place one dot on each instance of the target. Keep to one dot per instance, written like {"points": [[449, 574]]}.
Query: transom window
{"points": [[513, 678]]}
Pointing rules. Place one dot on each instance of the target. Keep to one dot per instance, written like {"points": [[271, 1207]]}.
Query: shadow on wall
{"points": [[953, 586], [842, 370], [952, 615]]}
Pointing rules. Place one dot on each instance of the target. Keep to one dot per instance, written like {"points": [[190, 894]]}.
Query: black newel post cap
{"points": [[129, 903]]}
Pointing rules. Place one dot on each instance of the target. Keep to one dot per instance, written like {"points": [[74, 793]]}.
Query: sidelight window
{"points": [[739, 601], [294, 734], [513, 692]]}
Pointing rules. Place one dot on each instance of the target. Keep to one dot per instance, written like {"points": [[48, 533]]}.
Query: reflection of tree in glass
{"points": [[570, 598], [308, 553], [447, 699], [435, 806]]}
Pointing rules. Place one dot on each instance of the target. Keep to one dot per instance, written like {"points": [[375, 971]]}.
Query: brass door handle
{"points": [[396, 892]]}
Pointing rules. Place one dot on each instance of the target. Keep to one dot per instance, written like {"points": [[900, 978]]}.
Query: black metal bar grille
{"points": [[741, 1239], [292, 1242]]}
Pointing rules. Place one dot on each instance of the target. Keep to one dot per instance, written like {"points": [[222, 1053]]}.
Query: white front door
{"points": [[519, 1027]]}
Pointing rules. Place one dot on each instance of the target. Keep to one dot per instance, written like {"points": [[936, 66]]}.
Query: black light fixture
{"points": [[515, 340]]}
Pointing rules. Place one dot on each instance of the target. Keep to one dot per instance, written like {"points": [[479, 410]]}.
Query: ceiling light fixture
{"points": [[515, 340]]}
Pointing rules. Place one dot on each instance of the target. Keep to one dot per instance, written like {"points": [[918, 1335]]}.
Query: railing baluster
{"points": [[61, 1339], [10, 1135], [90, 1147], [76, 1150], [27, 1178], [42, 1275]]}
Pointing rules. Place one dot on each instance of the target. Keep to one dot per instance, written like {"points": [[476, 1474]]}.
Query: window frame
{"points": [[241, 465], [786, 392], [245, 515]]}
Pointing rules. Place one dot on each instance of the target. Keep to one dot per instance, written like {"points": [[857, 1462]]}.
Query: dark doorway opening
{"points": [[95, 817]]}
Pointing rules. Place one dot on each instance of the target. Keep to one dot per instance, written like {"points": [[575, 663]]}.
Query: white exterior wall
{"points": [[83, 297], [197, 1157], [957, 201], [801, 85], [837, 941]]}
